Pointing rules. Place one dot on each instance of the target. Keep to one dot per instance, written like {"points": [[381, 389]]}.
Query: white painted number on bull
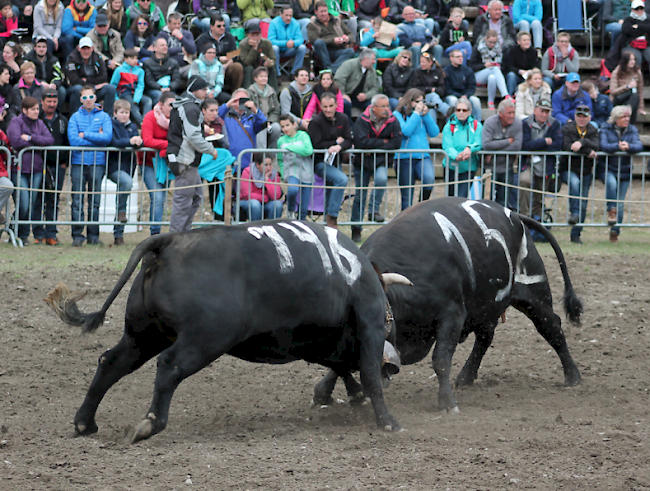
{"points": [[521, 275], [449, 229], [284, 254], [309, 236], [354, 272]]}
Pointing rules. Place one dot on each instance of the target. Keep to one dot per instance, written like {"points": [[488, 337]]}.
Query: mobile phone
{"points": [[242, 103]]}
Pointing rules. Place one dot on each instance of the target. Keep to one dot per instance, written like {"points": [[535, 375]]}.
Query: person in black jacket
{"points": [[161, 73], [518, 60], [225, 43], [430, 80], [397, 77], [460, 81], [48, 68]]}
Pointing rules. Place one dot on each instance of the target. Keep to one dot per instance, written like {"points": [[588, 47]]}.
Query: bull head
{"points": [[391, 362]]}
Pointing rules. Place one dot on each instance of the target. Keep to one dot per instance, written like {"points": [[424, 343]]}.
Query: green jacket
{"points": [[270, 104], [251, 57], [348, 76], [254, 9], [297, 162], [456, 137]]}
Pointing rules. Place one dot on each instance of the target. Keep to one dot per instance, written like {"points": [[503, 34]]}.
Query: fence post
{"points": [[487, 184], [227, 199]]}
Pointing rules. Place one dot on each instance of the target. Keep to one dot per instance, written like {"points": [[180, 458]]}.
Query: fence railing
{"points": [[64, 196]]}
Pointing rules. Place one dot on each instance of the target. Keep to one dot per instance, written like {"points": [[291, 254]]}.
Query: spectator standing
{"points": [[78, 20], [254, 9], [581, 138], [601, 104], [148, 8], [6, 186], [129, 82], [518, 61], [568, 98], [618, 135], [286, 37], [417, 124], [27, 86], [48, 67], [413, 35], [114, 10], [526, 16], [369, 40], [259, 191], [461, 139], [559, 60], [486, 62], [397, 78], [295, 98], [330, 38], [626, 85], [494, 20], [161, 73], [460, 81], [266, 99], [48, 17], [375, 129], [56, 163], [26, 130], [324, 83], [358, 80], [89, 126], [140, 37], [107, 43], [257, 51], [503, 132], [330, 130], [180, 41], [85, 67], [455, 37], [530, 92]]}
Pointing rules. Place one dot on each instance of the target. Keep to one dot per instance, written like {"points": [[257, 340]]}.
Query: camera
{"points": [[431, 105]]}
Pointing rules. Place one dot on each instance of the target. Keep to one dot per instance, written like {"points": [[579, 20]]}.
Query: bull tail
{"points": [[573, 306], [64, 302]]}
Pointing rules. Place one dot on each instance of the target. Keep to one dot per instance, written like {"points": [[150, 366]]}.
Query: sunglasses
{"points": [[51, 96], [142, 23], [582, 114], [461, 110], [87, 97], [11, 44], [638, 8], [327, 70]]}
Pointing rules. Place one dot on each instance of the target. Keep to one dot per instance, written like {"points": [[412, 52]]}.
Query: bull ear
{"points": [[394, 278]]}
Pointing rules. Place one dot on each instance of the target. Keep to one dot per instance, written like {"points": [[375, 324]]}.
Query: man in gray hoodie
{"points": [[295, 98]]}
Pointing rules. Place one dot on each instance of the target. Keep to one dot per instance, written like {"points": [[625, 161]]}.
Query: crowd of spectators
{"points": [[200, 96]]}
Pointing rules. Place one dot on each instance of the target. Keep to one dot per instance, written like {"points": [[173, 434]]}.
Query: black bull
{"points": [[269, 292], [468, 261]]}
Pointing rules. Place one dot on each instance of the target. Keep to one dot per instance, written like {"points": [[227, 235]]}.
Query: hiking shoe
{"points": [[121, 217], [356, 235], [376, 217], [611, 217], [77, 242], [491, 105], [118, 241], [613, 237], [39, 241], [95, 242], [573, 219], [576, 239], [52, 242]]}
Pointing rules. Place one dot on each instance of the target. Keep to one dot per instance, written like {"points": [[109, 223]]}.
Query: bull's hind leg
{"points": [[323, 389], [449, 329], [484, 335]]}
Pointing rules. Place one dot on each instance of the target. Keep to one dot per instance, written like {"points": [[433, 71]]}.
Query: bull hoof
{"points": [[82, 429], [394, 428], [464, 381], [320, 403], [572, 380], [450, 412], [358, 399], [143, 431]]}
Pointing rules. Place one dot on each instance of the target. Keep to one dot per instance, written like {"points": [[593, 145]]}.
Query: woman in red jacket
{"points": [[154, 135], [260, 193], [6, 185]]}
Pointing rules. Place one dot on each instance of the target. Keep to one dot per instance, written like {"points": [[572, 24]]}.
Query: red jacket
{"points": [[153, 136], [249, 191], [3, 155]]}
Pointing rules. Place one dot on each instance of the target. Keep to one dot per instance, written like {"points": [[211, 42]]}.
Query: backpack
{"points": [[452, 126]]}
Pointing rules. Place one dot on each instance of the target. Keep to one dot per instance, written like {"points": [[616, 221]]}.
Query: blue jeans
{"points": [[554, 84], [82, 178], [303, 27], [67, 43], [577, 187], [124, 183], [441, 106], [331, 58], [105, 94], [297, 53], [465, 47], [362, 179], [513, 79], [536, 26], [204, 23], [506, 196], [409, 171], [272, 209], [615, 189], [146, 103], [292, 194], [460, 189], [29, 206], [614, 28], [154, 95], [332, 176], [157, 198], [52, 201], [475, 101]]}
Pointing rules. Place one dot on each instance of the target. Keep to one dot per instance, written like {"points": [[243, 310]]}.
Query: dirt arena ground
{"points": [[240, 426]]}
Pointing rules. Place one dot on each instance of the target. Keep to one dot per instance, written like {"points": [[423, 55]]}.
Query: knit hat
{"points": [[5, 3], [196, 83]]}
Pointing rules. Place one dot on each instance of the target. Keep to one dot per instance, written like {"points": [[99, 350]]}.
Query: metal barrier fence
{"points": [[56, 198]]}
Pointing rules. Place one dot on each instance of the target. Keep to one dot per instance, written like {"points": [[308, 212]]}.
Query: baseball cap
{"points": [[40, 39], [573, 77], [86, 42], [583, 109], [544, 103], [101, 20], [196, 83], [637, 3], [253, 25]]}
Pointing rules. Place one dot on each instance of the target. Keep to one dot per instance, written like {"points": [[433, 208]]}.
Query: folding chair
{"points": [[571, 16]]}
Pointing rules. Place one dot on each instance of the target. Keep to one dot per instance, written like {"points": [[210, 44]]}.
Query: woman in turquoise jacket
{"points": [[461, 139], [417, 125]]}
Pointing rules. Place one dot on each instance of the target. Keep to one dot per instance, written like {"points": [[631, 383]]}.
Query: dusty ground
{"points": [[239, 426]]}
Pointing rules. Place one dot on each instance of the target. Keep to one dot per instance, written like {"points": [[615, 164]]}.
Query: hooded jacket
{"points": [[367, 136], [397, 80], [553, 62], [129, 80], [45, 26], [416, 131], [124, 161], [74, 69], [239, 140], [528, 10], [564, 106], [450, 35], [76, 23], [297, 161], [524, 102], [295, 102], [456, 137], [621, 167], [153, 135], [155, 69], [21, 90], [249, 191], [49, 70], [156, 17], [89, 123], [115, 46], [254, 9], [269, 101], [185, 134], [212, 72], [41, 137]]}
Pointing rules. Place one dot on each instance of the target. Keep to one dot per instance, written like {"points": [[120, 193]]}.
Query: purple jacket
{"points": [[41, 137]]}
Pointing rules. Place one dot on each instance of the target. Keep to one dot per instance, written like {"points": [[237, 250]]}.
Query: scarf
{"points": [[536, 94], [81, 16], [638, 17], [161, 119], [257, 175], [487, 54]]}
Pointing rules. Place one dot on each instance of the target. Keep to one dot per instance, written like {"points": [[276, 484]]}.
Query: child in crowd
{"points": [[129, 80], [369, 40], [455, 35], [601, 103], [121, 165], [8, 21], [260, 192], [296, 166]]}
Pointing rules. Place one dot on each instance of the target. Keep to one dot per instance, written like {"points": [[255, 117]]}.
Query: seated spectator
{"points": [[225, 43], [48, 67], [396, 14], [330, 130], [26, 130], [149, 9], [358, 80], [121, 165], [78, 20], [48, 17], [89, 126], [397, 78], [568, 98], [117, 19], [461, 139], [503, 132], [614, 13], [494, 20], [28, 85], [454, 36], [12, 55], [430, 80], [441, 11], [635, 30], [107, 42], [295, 98], [210, 69], [205, 11], [417, 125], [260, 194], [303, 11], [369, 40], [617, 135], [413, 35], [255, 9], [161, 73], [140, 37], [266, 99], [243, 121], [8, 21], [296, 166], [527, 15], [330, 38], [286, 37], [530, 92], [518, 61], [460, 81], [375, 129], [626, 85], [154, 135], [180, 41], [55, 161], [346, 10], [601, 104], [559, 60], [540, 133], [581, 138], [324, 83], [257, 51], [11, 109], [85, 67], [6, 186], [486, 62], [129, 82], [368, 11]]}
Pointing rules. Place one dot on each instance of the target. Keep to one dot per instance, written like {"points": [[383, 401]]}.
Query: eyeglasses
{"points": [[461, 110], [142, 23], [88, 97]]}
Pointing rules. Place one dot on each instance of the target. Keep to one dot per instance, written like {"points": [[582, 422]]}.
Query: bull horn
{"points": [[395, 278]]}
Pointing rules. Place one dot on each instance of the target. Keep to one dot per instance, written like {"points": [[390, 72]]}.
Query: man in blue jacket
{"points": [[568, 98], [287, 40], [88, 127], [413, 35]]}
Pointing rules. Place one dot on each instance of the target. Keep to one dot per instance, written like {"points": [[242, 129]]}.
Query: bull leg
{"points": [[354, 390], [549, 325], [448, 335], [323, 389], [484, 336]]}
